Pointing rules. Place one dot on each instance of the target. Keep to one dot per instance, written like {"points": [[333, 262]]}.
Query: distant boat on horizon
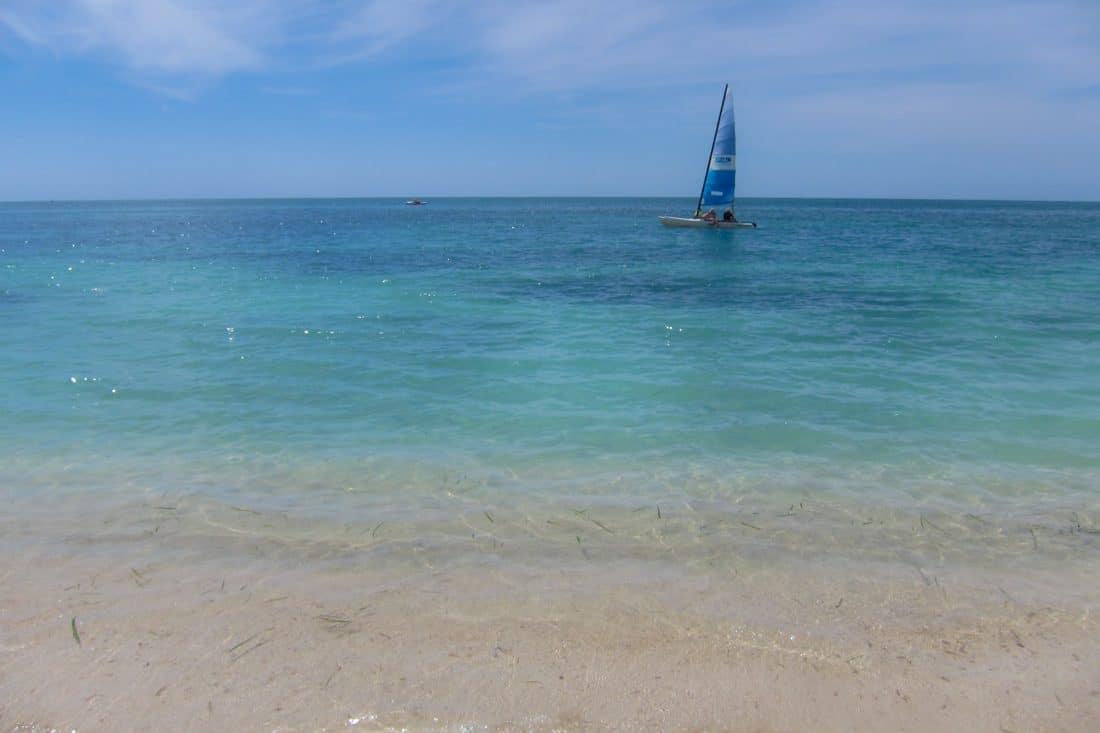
{"points": [[718, 181], [415, 202]]}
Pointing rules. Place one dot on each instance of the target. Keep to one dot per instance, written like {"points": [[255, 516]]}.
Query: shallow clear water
{"points": [[536, 448], [908, 354]]}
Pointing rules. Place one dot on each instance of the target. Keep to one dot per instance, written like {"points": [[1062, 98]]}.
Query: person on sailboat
{"points": [[728, 215], [710, 217]]}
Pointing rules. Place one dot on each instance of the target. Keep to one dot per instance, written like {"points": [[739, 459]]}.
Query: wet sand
{"points": [[196, 616]]}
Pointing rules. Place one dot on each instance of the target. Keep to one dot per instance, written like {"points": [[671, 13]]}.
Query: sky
{"points": [[971, 99]]}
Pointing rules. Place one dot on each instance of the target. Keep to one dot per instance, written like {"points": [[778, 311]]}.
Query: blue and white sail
{"points": [[721, 173], [716, 196]]}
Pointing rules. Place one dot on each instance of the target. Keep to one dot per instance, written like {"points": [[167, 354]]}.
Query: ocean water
{"points": [[357, 359], [491, 463]]}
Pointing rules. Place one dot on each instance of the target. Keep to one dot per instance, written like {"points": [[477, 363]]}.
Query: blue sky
{"points": [[209, 98]]}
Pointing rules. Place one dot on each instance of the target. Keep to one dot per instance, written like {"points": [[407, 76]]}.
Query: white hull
{"points": [[697, 223]]}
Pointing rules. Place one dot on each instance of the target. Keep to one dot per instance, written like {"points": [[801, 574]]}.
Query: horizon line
{"points": [[159, 199]]}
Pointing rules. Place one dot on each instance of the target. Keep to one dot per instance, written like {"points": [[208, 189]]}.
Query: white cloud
{"points": [[565, 45], [573, 43], [160, 36], [378, 25]]}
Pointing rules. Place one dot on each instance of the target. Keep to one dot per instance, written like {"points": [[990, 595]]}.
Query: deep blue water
{"points": [[908, 350]]}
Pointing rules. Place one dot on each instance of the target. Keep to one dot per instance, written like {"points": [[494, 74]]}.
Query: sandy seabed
{"points": [[193, 616]]}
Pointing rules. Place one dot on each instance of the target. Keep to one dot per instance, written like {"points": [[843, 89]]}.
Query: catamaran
{"points": [[717, 193]]}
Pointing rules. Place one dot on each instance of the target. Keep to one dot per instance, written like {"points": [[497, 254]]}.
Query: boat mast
{"points": [[699, 206]]}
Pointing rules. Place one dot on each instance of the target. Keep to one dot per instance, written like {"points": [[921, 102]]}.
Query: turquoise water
{"points": [[909, 353]]}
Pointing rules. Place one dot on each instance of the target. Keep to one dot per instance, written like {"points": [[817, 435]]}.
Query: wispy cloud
{"points": [[545, 45], [567, 45], [379, 25], [577, 45], [159, 36]]}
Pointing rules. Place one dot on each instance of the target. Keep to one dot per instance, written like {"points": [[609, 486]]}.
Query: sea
{"points": [[910, 383]]}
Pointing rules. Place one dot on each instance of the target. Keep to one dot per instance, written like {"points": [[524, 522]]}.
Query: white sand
{"points": [[223, 624]]}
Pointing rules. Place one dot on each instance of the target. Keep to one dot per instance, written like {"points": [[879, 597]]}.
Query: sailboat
{"points": [[718, 182]]}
